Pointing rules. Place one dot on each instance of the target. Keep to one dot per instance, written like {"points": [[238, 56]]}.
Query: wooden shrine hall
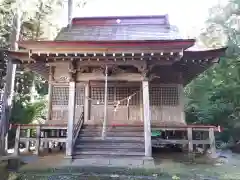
{"points": [[115, 79]]}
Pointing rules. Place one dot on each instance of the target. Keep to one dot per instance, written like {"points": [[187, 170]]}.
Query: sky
{"points": [[188, 15]]}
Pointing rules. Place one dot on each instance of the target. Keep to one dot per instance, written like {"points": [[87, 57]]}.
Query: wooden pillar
{"points": [[50, 87], [50, 91], [141, 106], [105, 104], [17, 141], [212, 141], [190, 140], [181, 101], [147, 118], [71, 117], [38, 140], [86, 103], [28, 135]]}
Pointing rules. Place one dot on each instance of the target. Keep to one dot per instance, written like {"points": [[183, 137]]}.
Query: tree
{"points": [[214, 98]]}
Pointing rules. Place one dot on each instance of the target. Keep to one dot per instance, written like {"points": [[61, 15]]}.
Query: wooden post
{"points": [[105, 104], [38, 139], [49, 102], [28, 135], [190, 140], [17, 140], [86, 103], [212, 141], [205, 137], [6, 143], [181, 101], [147, 119], [71, 117], [141, 106]]}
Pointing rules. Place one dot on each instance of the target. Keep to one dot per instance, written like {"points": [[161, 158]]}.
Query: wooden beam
{"points": [[102, 49], [110, 62], [43, 139], [180, 141], [117, 77]]}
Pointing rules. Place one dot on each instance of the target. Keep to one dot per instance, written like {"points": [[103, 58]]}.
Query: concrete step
{"points": [[109, 145], [100, 141], [108, 149], [99, 128], [114, 130], [106, 161], [108, 153], [116, 139], [111, 134]]}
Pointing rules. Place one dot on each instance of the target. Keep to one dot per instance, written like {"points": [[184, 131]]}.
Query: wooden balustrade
{"points": [[77, 128], [42, 135], [39, 134]]}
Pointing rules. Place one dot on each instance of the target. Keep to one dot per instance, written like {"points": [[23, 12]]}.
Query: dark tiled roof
{"points": [[119, 29]]}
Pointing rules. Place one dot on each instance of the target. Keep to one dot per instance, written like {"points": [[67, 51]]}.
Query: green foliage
{"points": [[25, 112], [214, 97], [38, 22]]}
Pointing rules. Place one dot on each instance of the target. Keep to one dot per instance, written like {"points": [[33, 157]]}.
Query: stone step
{"points": [[116, 139], [108, 153]]}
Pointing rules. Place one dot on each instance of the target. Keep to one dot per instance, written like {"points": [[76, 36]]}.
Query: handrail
{"points": [[78, 127]]}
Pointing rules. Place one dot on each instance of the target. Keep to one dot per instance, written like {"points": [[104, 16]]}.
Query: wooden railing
{"points": [[78, 127], [41, 135]]}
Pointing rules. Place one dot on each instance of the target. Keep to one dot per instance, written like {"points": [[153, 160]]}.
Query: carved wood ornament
{"points": [[146, 71], [72, 71]]}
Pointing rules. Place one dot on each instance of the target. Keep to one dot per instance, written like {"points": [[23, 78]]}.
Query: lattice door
{"points": [[80, 99], [116, 113], [60, 95]]}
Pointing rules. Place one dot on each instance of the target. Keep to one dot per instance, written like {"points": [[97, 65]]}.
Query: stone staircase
{"points": [[120, 142]]}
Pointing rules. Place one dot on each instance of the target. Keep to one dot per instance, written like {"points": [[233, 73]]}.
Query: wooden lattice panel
{"points": [[170, 96], [60, 95], [111, 94], [155, 96], [135, 100], [97, 94], [80, 95], [121, 93], [164, 96]]}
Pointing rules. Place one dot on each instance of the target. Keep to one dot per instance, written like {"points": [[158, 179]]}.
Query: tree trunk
{"points": [[10, 78]]}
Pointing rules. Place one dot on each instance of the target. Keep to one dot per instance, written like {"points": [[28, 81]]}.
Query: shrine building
{"points": [[115, 79]]}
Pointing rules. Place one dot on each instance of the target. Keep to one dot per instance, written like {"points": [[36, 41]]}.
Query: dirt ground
{"points": [[174, 165]]}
